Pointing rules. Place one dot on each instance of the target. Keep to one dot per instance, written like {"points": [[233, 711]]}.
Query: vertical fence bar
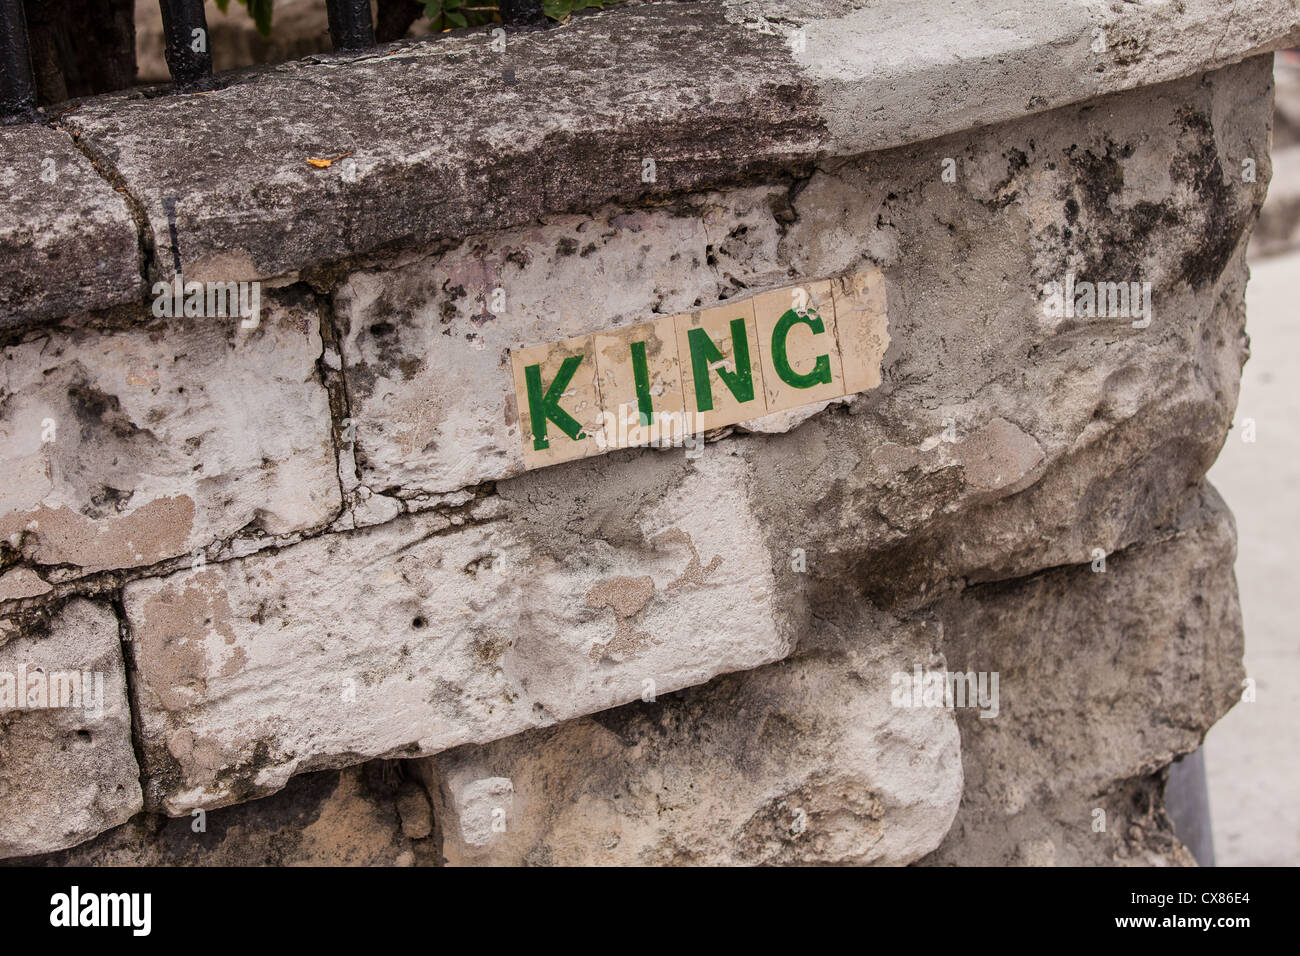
{"points": [[350, 25], [17, 85], [522, 13], [186, 44]]}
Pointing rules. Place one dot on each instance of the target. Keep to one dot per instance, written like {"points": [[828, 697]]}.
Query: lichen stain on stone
{"points": [[626, 597], [1202, 171], [491, 648], [153, 532]]}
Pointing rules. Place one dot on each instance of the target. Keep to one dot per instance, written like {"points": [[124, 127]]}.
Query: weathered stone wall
{"points": [[307, 542]]}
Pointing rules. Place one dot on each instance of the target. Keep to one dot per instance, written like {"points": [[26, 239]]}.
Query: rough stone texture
{"points": [[1063, 436], [427, 364], [1105, 429], [564, 118], [928, 76], [67, 240], [123, 449], [983, 394], [66, 773], [330, 818], [457, 602], [803, 761], [431, 631], [1106, 678]]}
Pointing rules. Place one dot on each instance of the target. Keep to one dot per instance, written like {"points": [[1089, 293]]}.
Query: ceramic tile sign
{"points": [[655, 382]]}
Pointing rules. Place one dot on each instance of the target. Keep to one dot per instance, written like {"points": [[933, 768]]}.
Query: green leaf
{"points": [[261, 11], [223, 5], [457, 19], [560, 9]]}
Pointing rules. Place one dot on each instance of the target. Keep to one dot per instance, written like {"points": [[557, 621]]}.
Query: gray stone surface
{"points": [[804, 761], [426, 359], [570, 130], [121, 449], [564, 118], [413, 592], [1068, 436], [903, 492], [427, 362], [67, 239], [67, 772], [1105, 678]]}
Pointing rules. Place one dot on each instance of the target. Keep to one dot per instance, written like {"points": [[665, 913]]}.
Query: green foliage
{"points": [[560, 9], [447, 14], [259, 10]]}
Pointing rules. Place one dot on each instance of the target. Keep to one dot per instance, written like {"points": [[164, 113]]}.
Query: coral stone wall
{"points": [[300, 541]]}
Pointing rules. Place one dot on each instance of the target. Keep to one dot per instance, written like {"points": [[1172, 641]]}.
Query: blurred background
{"points": [[1252, 756]]}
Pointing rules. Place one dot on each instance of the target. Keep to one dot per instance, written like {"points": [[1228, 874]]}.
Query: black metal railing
{"points": [[187, 50], [185, 44], [17, 85], [350, 24]]}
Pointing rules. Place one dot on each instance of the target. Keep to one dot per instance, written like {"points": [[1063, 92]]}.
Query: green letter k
{"points": [[541, 407]]}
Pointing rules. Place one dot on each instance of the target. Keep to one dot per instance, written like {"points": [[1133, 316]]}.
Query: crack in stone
{"points": [[108, 171]]}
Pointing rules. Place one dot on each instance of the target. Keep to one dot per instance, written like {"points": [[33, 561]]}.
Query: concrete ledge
{"points": [[448, 137], [67, 242]]}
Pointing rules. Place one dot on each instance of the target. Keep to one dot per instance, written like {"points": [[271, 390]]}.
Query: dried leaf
{"points": [[326, 163]]}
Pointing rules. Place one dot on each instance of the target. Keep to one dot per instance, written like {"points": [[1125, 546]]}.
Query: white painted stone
{"points": [[427, 362], [67, 773], [418, 635], [124, 449]]}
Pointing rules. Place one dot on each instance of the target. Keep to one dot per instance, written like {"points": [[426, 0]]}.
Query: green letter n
{"points": [[541, 407], [704, 353]]}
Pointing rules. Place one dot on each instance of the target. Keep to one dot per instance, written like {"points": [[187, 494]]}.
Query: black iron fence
{"points": [[189, 58]]}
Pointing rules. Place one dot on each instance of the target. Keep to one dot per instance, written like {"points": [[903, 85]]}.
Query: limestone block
{"points": [[67, 767], [66, 236], [804, 761], [1108, 672], [432, 631], [123, 449]]}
